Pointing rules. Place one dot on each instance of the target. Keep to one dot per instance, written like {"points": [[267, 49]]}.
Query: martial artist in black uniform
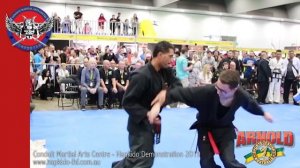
{"points": [[216, 105], [144, 85]]}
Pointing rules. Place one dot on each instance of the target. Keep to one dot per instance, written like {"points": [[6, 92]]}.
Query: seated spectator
{"points": [[135, 58], [108, 82], [113, 65], [81, 67], [232, 66], [206, 75], [225, 66], [62, 73], [122, 81], [109, 55], [44, 85], [76, 66], [148, 57], [90, 83]]}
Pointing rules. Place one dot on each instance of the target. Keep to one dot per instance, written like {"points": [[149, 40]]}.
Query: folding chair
{"points": [[68, 90]]}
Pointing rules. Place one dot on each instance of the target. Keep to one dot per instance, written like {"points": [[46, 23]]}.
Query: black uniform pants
{"points": [[109, 97], [225, 146], [286, 89], [120, 96], [263, 88], [140, 144]]}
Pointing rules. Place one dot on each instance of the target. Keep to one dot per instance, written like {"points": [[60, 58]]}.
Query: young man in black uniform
{"points": [[217, 105], [108, 83], [122, 81], [144, 85]]}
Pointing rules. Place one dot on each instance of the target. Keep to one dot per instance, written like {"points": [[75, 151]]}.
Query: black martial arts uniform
{"points": [[214, 118], [143, 87]]}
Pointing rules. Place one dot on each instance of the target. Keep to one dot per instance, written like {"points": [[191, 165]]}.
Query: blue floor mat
{"points": [[101, 136]]}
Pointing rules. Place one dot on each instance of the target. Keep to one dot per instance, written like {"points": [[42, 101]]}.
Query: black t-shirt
{"points": [[121, 77], [78, 15], [106, 76]]}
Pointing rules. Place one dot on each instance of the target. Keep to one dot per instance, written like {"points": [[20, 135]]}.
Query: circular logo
{"points": [[264, 152], [29, 28]]}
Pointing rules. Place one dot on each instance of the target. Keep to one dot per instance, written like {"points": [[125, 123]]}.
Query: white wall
{"points": [[250, 33]]}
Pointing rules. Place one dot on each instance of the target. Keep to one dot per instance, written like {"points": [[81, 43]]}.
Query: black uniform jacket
{"points": [[144, 85], [206, 100]]}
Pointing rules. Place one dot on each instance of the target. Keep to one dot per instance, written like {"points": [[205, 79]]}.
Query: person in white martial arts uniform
{"points": [[277, 66]]}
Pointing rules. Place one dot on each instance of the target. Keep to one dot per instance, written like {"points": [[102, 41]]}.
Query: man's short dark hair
{"points": [[264, 52], [163, 47], [278, 50], [230, 77], [77, 52], [183, 50]]}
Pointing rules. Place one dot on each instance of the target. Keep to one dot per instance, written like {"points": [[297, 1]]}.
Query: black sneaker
{"points": [[83, 108]]}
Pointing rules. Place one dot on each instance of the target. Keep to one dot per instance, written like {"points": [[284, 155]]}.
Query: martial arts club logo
{"points": [[264, 152], [29, 28]]}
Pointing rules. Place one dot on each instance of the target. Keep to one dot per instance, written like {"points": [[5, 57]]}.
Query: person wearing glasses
{"points": [[216, 104]]}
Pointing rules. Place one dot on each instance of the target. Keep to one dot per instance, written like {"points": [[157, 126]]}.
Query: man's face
{"points": [[137, 65], [232, 66], [264, 55], [208, 54], [112, 64], [236, 54], [144, 49], [230, 54], [224, 91], [73, 53], [106, 65], [121, 65], [92, 64], [85, 62], [41, 51], [291, 54], [165, 59]]}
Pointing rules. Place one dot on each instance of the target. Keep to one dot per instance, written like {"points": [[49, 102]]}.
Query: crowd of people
{"points": [[269, 78], [113, 26]]}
